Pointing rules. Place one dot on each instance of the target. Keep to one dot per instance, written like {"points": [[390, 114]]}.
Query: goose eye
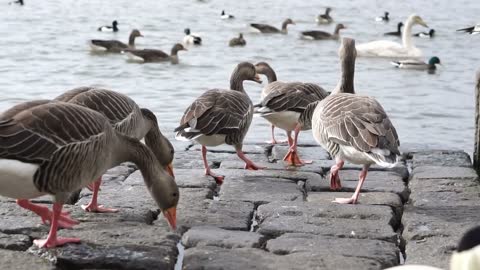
{"points": [[174, 194]]}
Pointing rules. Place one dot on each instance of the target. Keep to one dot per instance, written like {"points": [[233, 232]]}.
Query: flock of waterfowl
{"points": [[58, 146]]}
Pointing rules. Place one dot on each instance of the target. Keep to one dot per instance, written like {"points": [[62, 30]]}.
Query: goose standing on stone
{"points": [[225, 16], [268, 29], [418, 64], [387, 48], [221, 116], [325, 18], [319, 35], [56, 147], [472, 30], [108, 28], [115, 45], [238, 41], [428, 34], [396, 33], [353, 128], [383, 18], [283, 105], [152, 55], [190, 38], [126, 117]]}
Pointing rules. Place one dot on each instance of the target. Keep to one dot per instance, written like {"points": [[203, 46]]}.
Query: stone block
{"points": [[212, 236], [14, 260], [443, 172], [441, 158]]}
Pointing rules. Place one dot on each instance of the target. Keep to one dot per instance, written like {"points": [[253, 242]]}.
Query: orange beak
{"points": [[169, 169], [257, 78], [171, 216]]}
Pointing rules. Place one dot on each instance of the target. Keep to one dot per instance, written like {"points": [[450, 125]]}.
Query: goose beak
{"points": [[171, 216], [169, 169], [257, 78]]}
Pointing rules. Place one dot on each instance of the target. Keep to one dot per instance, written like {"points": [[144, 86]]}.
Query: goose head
{"points": [[339, 26], [136, 33], [166, 194], [178, 47], [347, 50], [434, 61], [418, 20], [262, 68], [288, 21], [246, 71]]}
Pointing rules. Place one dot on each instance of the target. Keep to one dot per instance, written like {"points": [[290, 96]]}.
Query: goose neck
{"points": [[131, 41], [236, 82], [270, 73], [346, 83]]}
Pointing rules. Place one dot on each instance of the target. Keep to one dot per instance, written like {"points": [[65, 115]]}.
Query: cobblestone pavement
{"points": [[278, 218]]}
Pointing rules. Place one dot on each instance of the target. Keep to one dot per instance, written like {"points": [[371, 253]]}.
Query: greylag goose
{"points": [[225, 16], [108, 28], [428, 34], [325, 18], [115, 45], [152, 55], [396, 33], [190, 38], [387, 48], [221, 116], [268, 29], [238, 41], [418, 64], [318, 35], [383, 18], [127, 118], [56, 147], [283, 105], [353, 128], [472, 30]]}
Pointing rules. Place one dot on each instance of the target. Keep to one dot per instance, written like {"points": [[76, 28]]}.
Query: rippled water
{"points": [[44, 51]]}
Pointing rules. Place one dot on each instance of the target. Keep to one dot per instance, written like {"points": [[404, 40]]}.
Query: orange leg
{"points": [[93, 205], [218, 178], [273, 141], [249, 165], [64, 219], [334, 175], [361, 180], [292, 157]]}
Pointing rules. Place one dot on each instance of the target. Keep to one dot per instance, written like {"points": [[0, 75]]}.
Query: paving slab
{"points": [[377, 181], [278, 166], [247, 149], [19, 242], [307, 153], [386, 253], [444, 172], [441, 158], [350, 221], [15, 260], [213, 236]]}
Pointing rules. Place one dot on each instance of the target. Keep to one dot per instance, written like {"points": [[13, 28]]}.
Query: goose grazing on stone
{"points": [[282, 103], [418, 64], [152, 55], [318, 35], [108, 28], [387, 48], [115, 45], [191, 38], [221, 116], [396, 33], [225, 16], [238, 41], [383, 18], [126, 117], [325, 18], [268, 29], [472, 30], [56, 147], [353, 128], [428, 34]]}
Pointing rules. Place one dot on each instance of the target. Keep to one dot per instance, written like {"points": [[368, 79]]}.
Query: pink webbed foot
{"points": [[252, 166], [91, 207], [293, 159], [335, 183], [54, 242], [345, 200], [218, 178]]}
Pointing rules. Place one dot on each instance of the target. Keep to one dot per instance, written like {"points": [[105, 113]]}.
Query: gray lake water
{"points": [[44, 51]]}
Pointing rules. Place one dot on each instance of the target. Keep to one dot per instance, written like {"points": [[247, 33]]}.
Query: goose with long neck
{"points": [[353, 128], [319, 35], [387, 48], [56, 147], [268, 29], [115, 46], [221, 117], [152, 55], [126, 117]]}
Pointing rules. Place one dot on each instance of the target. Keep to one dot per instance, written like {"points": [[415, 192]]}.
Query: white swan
{"points": [[387, 48]]}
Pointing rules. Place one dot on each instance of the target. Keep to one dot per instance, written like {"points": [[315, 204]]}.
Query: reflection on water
{"points": [[44, 51]]}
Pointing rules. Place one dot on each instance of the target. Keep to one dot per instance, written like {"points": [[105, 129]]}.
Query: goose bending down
{"points": [[317, 35], [418, 64], [472, 30], [152, 55], [108, 28], [353, 128], [387, 48], [428, 34], [325, 18], [221, 116], [56, 147], [268, 29], [191, 38], [225, 16], [115, 45], [396, 33], [383, 18], [126, 117], [238, 41], [283, 105]]}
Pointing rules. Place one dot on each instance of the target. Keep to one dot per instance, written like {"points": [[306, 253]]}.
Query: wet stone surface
{"points": [[277, 218]]}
